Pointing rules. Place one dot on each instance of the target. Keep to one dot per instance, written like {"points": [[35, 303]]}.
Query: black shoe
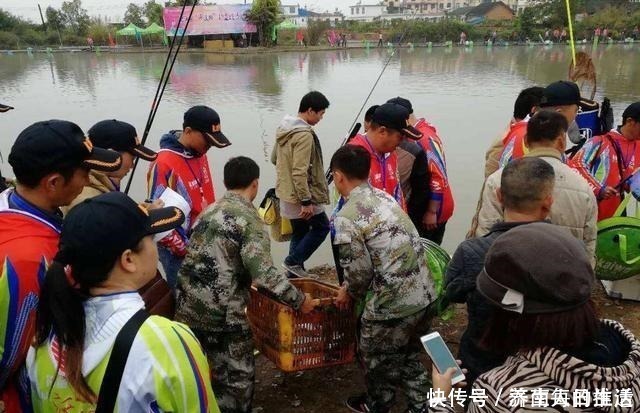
{"points": [[358, 404]]}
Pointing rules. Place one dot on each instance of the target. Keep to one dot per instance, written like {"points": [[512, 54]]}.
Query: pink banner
{"points": [[221, 19]]}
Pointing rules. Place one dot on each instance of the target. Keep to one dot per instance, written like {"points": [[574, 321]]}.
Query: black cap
{"points": [[632, 111], [560, 93], [119, 136], [206, 120], [111, 223], [5, 108], [396, 117], [47, 145], [402, 102], [515, 278]]}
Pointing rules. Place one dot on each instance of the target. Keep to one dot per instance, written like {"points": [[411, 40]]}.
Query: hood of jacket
{"points": [[169, 141], [101, 182], [105, 316], [572, 373], [289, 126]]}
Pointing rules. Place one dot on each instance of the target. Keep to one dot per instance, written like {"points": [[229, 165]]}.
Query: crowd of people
{"points": [[77, 334]]}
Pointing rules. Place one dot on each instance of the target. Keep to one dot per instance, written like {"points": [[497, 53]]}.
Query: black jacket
{"points": [[462, 272], [415, 184]]}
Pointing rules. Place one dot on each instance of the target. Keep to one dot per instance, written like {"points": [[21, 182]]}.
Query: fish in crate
{"points": [[294, 341]]}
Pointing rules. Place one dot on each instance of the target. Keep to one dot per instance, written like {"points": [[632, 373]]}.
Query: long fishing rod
{"points": [[162, 85], [353, 131]]}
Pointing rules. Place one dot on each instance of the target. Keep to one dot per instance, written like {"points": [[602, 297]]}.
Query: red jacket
{"points": [[28, 244], [439, 184], [383, 173], [513, 143], [189, 176], [598, 162]]}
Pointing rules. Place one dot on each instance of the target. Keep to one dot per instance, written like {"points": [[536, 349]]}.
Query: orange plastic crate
{"points": [[294, 341]]}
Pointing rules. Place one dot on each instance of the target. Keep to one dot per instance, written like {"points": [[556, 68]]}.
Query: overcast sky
{"points": [[114, 9]]}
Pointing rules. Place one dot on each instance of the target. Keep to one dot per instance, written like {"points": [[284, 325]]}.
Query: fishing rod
{"points": [[352, 128], [162, 85]]}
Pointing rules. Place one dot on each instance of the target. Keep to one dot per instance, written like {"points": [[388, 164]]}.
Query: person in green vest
{"points": [[89, 295]]}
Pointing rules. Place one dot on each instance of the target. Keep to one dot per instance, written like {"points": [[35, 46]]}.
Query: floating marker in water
{"points": [[97, 49], [30, 51], [429, 45], [48, 50]]}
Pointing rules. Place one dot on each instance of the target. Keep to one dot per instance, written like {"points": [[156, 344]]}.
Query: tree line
{"points": [[71, 25]]}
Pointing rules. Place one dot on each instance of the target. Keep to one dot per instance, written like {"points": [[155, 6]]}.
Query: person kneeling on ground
{"points": [[89, 298], [525, 193], [381, 253], [545, 320], [229, 250]]}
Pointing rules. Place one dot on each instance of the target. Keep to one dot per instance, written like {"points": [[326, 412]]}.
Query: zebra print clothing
{"points": [[554, 370]]}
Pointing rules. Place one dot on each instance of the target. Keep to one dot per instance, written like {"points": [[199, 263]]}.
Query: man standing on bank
{"points": [[301, 184], [380, 251], [182, 165], [229, 250]]}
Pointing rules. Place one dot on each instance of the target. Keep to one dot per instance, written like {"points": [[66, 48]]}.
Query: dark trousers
{"points": [[307, 236], [435, 235], [232, 366], [390, 352]]}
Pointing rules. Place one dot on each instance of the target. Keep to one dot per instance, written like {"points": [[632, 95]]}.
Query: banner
{"points": [[222, 19]]}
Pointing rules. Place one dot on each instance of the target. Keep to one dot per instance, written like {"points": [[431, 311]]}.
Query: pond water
{"points": [[467, 93]]}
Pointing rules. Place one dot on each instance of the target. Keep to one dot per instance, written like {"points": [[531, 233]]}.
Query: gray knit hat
{"points": [[537, 268]]}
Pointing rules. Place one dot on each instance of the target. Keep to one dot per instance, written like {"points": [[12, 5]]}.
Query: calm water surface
{"points": [[467, 93]]}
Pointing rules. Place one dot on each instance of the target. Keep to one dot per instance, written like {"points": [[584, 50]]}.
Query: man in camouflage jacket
{"points": [[229, 250], [384, 264]]}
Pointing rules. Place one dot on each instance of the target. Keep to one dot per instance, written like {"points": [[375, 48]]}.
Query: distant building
{"points": [[516, 5], [365, 12], [295, 14], [489, 11], [333, 18], [432, 7]]}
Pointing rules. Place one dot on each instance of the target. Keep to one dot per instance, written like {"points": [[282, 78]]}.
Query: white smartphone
{"points": [[439, 352]]}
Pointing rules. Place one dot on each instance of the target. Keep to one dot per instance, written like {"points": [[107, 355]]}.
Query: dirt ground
{"points": [[325, 390]]}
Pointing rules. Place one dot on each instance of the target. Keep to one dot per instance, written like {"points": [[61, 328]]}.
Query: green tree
{"points": [[153, 12], [526, 22], [54, 18], [134, 15], [7, 21], [265, 14], [75, 17]]}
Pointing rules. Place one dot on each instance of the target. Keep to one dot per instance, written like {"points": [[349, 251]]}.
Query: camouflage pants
{"points": [[390, 352], [230, 356]]}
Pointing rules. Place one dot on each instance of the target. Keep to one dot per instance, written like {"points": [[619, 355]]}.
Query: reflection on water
{"points": [[467, 93]]}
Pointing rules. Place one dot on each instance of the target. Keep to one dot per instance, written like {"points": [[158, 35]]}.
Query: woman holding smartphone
{"points": [[539, 279]]}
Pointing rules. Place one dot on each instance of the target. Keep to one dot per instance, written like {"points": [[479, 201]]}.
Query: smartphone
{"points": [[441, 356]]}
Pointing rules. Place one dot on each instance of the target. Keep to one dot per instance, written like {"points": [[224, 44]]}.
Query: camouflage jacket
{"points": [[381, 253], [228, 250]]}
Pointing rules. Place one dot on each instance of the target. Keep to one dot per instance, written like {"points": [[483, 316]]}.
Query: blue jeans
{"points": [[307, 236], [171, 265]]}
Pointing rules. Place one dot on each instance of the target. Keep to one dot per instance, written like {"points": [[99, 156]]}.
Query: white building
{"points": [[294, 14], [365, 12]]}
